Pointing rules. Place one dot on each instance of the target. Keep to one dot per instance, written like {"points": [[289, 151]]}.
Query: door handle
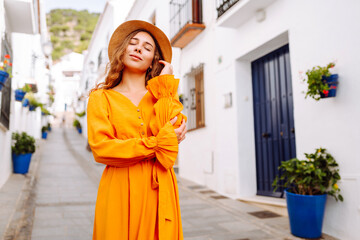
{"points": [[281, 133], [266, 135]]}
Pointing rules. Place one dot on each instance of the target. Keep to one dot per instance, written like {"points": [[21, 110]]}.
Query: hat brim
{"points": [[122, 31]]}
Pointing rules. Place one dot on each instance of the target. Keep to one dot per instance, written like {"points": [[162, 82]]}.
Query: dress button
{"points": [[139, 117], [142, 133], [142, 124], [138, 110]]}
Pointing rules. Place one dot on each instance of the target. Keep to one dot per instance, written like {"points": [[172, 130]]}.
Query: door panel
{"points": [[273, 117]]}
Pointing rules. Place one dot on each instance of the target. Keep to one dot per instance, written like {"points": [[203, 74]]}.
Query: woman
{"points": [[134, 127]]}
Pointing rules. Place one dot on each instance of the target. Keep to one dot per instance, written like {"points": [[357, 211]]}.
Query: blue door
{"points": [[273, 117]]}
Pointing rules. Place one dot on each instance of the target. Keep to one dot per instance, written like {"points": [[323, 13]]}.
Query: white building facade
{"points": [[239, 64], [23, 35], [96, 57]]}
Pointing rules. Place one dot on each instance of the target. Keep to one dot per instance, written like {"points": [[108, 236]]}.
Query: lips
{"points": [[136, 57]]}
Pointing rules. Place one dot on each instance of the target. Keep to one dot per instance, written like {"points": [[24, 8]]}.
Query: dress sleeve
{"points": [[109, 150], [164, 89]]}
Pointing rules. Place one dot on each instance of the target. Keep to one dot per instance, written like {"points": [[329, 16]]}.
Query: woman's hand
{"points": [[180, 131], [168, 68]]}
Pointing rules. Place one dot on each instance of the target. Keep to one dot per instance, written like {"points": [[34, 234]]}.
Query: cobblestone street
{"points": [[65, 189]]}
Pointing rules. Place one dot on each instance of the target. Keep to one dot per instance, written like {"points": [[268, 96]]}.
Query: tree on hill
{"points": [[70, 30]]}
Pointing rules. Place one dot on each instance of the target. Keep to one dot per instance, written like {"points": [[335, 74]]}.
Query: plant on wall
{"points": [[320, 81]]}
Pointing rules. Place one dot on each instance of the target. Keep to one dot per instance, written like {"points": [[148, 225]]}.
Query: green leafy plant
{"points": [[81, 114], [315, 176], [26, 88], [32, 100], [44, 129], [76, 123], [22, 143], [316, 82], [45, 111]]}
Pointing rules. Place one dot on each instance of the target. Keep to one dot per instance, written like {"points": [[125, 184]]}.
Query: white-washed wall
{"points": [[317, 32], [328, 32]]}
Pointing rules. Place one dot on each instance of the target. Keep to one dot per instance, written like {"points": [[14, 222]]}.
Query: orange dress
{"points": [[138, 195]]}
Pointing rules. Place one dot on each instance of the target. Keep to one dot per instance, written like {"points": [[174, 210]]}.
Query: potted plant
{"points": [[321, 83], [181, 98], [77, 124], [20, 92], [81, 114], [5, 70], [44, 132], [49, 127], [44, 111], [32, 101], [307, 183], [22, 149]]}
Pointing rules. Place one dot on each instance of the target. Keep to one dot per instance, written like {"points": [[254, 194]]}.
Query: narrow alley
{"points": [[64, 197]]}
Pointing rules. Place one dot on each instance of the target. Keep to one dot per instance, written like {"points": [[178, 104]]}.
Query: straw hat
{"points": [[128, 27]]}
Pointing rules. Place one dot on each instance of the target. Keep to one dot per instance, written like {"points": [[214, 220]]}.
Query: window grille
{"points": [[223, 5], [183, 12]]}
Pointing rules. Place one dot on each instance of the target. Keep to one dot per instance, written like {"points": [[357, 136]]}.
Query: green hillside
{"points": [[70, 30]]}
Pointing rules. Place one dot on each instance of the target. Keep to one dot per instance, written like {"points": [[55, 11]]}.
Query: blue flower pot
{"points": [[25, 102], [79, 130], [306, 214], [32, 108], [21, 162], [49, 129], [332, 82], [3, 77], [44, 135], [19, 95]]}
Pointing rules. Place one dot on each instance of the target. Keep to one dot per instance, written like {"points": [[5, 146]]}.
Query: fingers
{"points": [[182, 134], [182, 139], [173, 121], [182, 126], [168, 68], [181, 131]]}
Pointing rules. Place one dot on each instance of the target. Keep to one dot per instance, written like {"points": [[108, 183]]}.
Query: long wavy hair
{"points": [[115, 67]]}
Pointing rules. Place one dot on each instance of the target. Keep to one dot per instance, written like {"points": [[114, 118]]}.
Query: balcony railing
{"points": [[223, 5], [185, 21]]}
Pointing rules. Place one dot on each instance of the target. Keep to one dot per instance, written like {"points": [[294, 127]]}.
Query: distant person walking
{"points": [[134, 127]]}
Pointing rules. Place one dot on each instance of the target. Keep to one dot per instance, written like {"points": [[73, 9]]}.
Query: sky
{"points": [[90, 5]]}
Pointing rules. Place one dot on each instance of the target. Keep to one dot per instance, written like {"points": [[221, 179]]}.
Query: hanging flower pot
{"points": [[321, 83], [19, 95], [332, 83], [3, 77], [5, 70], [25, 102], [79, 130], [32, 107]]}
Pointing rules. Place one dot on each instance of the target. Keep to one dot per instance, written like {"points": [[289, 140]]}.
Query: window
{"points": [[103, 57], [185, 21], [6, 90], [194, 98]]}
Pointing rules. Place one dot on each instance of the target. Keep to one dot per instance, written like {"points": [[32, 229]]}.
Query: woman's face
{"points": [[139, 53]]}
